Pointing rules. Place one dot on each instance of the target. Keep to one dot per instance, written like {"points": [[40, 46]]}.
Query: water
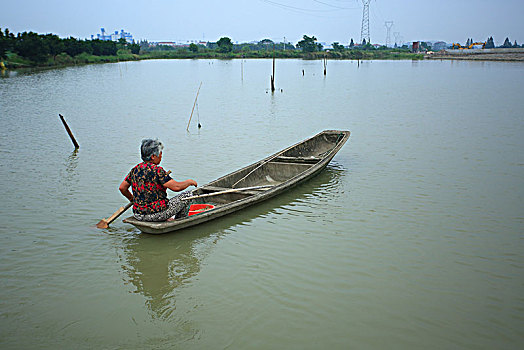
{"points": [[411, 238]]}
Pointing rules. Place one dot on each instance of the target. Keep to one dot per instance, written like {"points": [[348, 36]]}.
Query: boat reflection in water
{"points": [[159, 265]]}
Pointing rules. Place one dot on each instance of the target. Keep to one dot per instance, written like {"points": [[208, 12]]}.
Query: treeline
{"points": [[306, 47], [39, 48], [490, 44], [30, 49]]}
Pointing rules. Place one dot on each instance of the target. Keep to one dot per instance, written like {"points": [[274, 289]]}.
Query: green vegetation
{"points": [[30, 49], [308, 44], [225, 45]]}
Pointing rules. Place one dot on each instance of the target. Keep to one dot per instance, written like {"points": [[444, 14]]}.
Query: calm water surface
{"points": [[412, 238]]}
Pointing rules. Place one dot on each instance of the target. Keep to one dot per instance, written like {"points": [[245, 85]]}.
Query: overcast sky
{"points": [[248, 20]]}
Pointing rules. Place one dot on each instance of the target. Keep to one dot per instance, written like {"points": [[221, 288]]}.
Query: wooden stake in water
{"points": [[194, 104], [325, 65], [273, 76], [69, 131]]}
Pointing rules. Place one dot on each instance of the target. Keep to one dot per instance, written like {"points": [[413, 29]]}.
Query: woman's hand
{"points": [[192, 182], [179, 186]]}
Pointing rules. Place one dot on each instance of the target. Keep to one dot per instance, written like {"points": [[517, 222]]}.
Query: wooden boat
{"points": [[258, 181]]}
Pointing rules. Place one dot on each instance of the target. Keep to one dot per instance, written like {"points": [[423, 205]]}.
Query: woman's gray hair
{"points": [[149, 148]]}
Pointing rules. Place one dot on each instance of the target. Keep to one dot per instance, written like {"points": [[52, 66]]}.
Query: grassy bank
{"points": [[340, 55], [13, 61]]}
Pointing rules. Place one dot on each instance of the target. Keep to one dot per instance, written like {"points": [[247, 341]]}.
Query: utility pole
{"points": [[388, 25], [364, 32]]}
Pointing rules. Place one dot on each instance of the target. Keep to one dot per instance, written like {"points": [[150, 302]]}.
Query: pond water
{"points": [[413, 237]]}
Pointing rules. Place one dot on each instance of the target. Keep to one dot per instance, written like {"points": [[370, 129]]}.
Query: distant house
{"points": [[166, 43], [439, 45]]}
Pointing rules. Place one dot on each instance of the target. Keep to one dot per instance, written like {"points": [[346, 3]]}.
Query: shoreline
{"points": [[61, 61], [498, 54]]}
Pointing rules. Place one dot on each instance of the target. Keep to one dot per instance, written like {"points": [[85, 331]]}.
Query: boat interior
{"points": [[272, 171]]}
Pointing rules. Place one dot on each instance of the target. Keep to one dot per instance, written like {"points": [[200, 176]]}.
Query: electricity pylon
{"points": [[364, 32], [388, 25], [397, 38]]}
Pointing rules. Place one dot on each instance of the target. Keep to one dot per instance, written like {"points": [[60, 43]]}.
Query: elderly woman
{"points": [[150, 182]]}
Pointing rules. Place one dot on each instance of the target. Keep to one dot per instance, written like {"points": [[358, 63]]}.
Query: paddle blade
{"points": [[102, 224]]}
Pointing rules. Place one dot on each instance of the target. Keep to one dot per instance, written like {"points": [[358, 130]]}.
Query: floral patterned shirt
{"points": [[147, 180]]}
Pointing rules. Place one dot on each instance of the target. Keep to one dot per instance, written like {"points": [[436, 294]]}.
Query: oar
{"points": [[226, 191], [104, 223]]}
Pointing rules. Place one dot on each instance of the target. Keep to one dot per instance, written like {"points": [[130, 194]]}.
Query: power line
{"points": [[300, 9], [337, 7], [309, 11]]}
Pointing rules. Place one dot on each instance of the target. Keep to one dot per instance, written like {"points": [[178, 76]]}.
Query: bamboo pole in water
{"points": [[194, 104], [325, 65], [273, 76], [69, 131]]}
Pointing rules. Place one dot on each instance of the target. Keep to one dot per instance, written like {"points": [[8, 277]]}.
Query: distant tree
{"points": [[54, 44], [426, 46], [103, 47], [507, 43], [308, 44], [366, 45], [225, 45], [135, 48], [193, 47], [31, 46], [515, 44], [489, 43], [351, 43], [265, 44], [75, 47], [7, 40], [337, 47]]}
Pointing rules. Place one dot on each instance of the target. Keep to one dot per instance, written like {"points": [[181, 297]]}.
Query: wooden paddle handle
{"points": [[118, 213]]}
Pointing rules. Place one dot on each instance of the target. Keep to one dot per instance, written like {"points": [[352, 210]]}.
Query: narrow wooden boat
{"points": [[258, 181]]}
